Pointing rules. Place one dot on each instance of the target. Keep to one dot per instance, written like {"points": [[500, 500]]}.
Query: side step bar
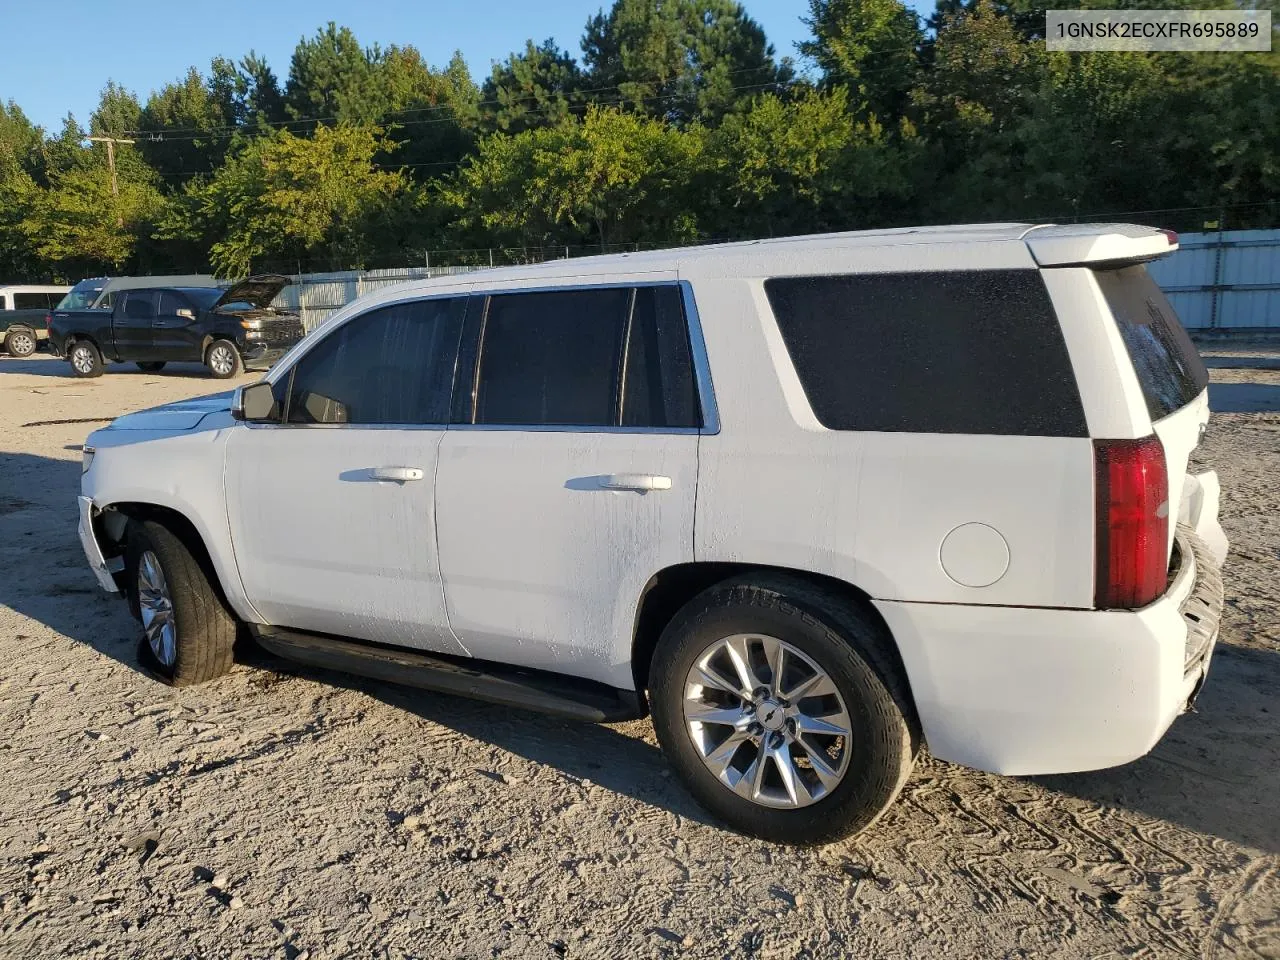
{"points": [[478, 679]]}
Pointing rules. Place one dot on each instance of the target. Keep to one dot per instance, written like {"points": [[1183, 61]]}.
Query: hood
{"points": [[258, 291], [183, 415]]}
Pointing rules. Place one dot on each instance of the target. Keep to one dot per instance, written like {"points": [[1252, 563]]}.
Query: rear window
{"points": [[1167, 363], [974, 352]]}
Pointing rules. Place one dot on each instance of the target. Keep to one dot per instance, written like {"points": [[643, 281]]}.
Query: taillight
{"points": [[48, 322], [1132, 488]]}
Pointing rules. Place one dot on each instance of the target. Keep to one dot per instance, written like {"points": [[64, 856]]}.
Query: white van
{"points": [[813, 502]]}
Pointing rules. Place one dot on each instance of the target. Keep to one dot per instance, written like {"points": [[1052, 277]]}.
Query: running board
{"points": [[477, 679]]}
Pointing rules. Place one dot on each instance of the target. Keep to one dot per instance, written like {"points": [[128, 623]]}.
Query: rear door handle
{"points": [[640, 482], [398, 474]]}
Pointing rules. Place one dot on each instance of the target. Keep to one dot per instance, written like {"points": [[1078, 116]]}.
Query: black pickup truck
{"points": [[227, 330]]}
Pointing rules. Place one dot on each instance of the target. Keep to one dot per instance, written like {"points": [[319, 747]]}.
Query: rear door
{"points": [[177, 328], [569, 474], [132, 325]]}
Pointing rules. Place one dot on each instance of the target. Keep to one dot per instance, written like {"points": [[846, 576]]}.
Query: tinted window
{"points": [[961, 352], [171, 303], [552, 358], [139, 305], [391, 365], [1164, 358], [658, 384], [30, 301], [80, 297], [3, 304]]}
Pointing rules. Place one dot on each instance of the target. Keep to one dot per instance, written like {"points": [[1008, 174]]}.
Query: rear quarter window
{"points": [[1166, 362], [971, 352]]}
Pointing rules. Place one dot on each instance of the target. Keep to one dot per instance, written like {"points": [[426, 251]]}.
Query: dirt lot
{"points": [[269, 815]]}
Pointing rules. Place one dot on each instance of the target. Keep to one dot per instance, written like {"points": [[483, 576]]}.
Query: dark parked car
{"points": [[227, 330]]}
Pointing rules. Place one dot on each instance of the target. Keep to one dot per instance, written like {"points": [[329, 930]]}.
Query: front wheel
{"points": [[20, 342], [783, 709], [151, 366], [85, 359], [188, 634], [223, 359]]}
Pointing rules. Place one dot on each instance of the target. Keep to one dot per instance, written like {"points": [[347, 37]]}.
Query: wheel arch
{"points": [[671, 588], [113, 523]]}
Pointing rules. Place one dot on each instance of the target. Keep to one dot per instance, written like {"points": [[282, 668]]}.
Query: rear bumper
{"points": [[1031, 691]]}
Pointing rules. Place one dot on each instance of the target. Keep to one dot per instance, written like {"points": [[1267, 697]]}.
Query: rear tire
{"points": [[837, 784], [85, 359], [188, 634], [20, 342], [223, 360], [151, 366]]}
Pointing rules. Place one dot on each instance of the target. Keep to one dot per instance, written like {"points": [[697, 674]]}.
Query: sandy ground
{"points": [[269, 815]]}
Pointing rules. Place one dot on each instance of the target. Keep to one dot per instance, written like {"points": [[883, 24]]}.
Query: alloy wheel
{"points": [[156, 607], [767, 720]]}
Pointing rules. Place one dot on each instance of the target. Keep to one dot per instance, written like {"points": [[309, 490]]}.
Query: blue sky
{"points": [[60, 53]]}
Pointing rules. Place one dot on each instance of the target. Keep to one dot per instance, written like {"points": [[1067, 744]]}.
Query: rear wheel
{"points": [[223, 359], [783, 709], [188, 633], [85, 359], [151, 366], [20, 342]]}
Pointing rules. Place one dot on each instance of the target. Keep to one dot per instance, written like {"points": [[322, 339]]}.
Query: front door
{"points": [[332, 508], [178, 331], [573, 480], [132, 325]]}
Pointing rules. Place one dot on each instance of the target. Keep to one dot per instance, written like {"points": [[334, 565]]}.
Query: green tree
{"points": [[21, 161], [804, 166], [186, 127], [320, 200], [536, 87], [870, 46], [611, 178], [681, 59]]}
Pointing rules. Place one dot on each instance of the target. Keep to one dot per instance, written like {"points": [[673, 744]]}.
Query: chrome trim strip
{"points": [[569, 428], [701, 364]]}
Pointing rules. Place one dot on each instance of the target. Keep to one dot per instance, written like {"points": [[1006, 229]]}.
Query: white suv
{"points": [[814, 502]]}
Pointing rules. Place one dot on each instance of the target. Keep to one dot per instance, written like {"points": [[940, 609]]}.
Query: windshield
{"points": [[79, 297]]}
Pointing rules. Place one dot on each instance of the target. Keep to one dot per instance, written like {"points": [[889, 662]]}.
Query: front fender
{"points": [[179, 472]]}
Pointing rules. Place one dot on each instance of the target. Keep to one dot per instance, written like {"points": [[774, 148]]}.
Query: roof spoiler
{"points": [[1098, 244]]}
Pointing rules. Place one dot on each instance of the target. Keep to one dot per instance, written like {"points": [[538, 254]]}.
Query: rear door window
{"points": [[30, 301], [970, 352], [1167, 363], [139, 305], [587, 357]]}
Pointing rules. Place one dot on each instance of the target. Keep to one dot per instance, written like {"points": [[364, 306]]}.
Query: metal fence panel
{"points": [[1226, 281]]}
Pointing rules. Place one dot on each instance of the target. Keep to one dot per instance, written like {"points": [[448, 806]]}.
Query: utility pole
{"points": [[111, 162]]}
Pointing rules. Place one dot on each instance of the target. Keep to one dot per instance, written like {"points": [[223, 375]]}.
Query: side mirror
{"points": [[186, 313], [255, 403]]}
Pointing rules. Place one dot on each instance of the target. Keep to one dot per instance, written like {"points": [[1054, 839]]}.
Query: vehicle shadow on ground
{"points": [[48, 366], [1216, 772], [1244, 397], [607, 757]]}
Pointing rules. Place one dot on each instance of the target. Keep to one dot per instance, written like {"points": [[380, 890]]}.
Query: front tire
{"points": [[223, 360], [85, 359], [188, 633], [20, 342], [783, 709], [150, 366]]}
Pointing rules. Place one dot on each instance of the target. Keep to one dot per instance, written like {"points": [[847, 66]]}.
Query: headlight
{"points": [[86, 458]]}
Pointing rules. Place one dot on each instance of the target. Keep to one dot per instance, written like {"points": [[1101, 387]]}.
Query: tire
{"points": [[820, 633], [223, 360], [151, 366], [20, 342], [85, 359], [200, 646]]}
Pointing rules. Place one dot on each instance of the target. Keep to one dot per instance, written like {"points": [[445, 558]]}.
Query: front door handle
{"points": [[398, 474], [640, 482]]}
